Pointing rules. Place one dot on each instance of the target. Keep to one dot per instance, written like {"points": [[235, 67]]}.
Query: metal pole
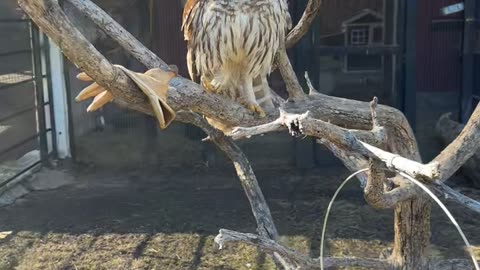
{"points": [[468, 60], [38, 85], [410, 93], [46, 51], [399, 59]]}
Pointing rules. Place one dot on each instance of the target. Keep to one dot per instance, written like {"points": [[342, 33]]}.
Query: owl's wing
{"points": [[190, 11]]}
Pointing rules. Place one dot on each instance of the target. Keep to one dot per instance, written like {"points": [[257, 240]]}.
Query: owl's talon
{"points": [[209, 87], [256, 109]]}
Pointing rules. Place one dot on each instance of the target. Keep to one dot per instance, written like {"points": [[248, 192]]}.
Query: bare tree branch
{"points": [[375, 193], [304, 124], [294, 89], [265, 225], [311, 89], [187, 95], [184, 94], [304, 24], [448, 130], [461, 149], [302, 261], [128, 41], [451, 194], [260, 209]]}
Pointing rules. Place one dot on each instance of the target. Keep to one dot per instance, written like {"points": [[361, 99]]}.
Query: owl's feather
{"points": [[232, 45]]}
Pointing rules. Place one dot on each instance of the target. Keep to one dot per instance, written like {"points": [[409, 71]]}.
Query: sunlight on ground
{"points": [[27, 250]]}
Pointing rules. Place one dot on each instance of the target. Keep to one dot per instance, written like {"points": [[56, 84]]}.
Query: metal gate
{"points": [[26, 137]]}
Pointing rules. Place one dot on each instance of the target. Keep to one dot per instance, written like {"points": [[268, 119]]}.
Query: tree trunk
{"points": [[412, 234]]}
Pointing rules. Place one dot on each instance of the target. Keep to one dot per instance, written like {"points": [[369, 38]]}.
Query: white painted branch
{"points": [[304, 124], [248, 132], [414, 169]]}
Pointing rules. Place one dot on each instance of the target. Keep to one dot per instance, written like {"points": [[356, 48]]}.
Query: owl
{"points": [[232, 45]]}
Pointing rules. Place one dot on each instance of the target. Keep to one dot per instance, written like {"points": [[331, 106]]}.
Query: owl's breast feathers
{"points": [[233, 40]]}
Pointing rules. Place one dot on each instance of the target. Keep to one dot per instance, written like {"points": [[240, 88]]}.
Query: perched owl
{"points": [[232, 45]]}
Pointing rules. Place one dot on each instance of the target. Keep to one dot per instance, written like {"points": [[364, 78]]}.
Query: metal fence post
{"points": [[468, 60], [38, 85], [410, 92]]}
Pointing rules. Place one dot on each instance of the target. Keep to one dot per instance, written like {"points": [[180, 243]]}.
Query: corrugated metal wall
{"points": [[439, 47]]}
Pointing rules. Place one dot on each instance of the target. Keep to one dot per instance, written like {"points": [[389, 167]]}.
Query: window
{"points": [[365, 34], [377, 34], [359, 36]]}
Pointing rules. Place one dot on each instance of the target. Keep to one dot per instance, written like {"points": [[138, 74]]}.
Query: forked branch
{"points": [[305, 124], [375, 192]]}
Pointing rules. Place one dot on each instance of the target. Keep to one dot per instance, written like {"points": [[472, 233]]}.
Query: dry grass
{"points": [[109, 221]]}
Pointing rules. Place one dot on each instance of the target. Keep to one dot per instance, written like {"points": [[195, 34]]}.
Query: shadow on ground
{"points": [[167, 220]]}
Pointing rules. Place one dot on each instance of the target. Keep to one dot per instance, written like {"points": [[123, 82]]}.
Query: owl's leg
{"points": [[246, 96], [262, 92]]}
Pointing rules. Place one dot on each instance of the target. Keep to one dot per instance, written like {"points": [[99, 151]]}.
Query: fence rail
{"points": [[34, 79]]}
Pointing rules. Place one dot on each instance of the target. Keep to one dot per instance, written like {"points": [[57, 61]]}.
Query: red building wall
{"points": [[439, 43]]}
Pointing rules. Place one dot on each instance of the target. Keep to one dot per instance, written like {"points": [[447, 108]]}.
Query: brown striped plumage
{"points": [[232, 44]]}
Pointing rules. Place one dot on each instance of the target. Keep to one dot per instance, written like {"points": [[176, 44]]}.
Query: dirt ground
{"points": [[150, 219]]}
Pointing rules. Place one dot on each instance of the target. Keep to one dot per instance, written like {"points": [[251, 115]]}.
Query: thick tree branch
{"points": [[461, 149], [260, 209], [304, 24], [282, 61], [128, 41], [184, 94], [304, 124], [294, 89], [448, 130], [441, 168], [375, 193], [265, 225], [302, 261], [187, 95]]}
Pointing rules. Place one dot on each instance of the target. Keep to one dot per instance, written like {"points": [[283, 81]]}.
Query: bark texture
{"points": [[448, 130]]}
